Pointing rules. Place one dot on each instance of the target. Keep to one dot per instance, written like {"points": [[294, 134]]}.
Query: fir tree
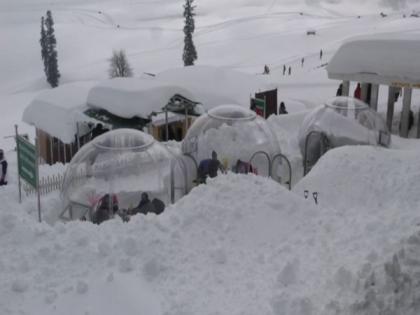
{"points": [[50, 62], [190, 53], [119, 66], [43, 42]]}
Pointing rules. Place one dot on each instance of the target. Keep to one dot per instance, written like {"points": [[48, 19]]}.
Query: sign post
{"points": [[28, 168]]}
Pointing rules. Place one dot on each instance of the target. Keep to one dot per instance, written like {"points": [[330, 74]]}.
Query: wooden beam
{"points": [[390, 108], [346, 88], [374, 95], [405, 115]]}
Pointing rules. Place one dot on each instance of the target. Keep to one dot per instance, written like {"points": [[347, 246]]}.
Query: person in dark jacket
{"points": [[340, 90], [108, 206], [209, 167], [145, 205], [3, 166], [282, 109], [242, 167]]}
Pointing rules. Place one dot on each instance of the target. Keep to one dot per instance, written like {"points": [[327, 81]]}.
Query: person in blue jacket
{"points": [[209, 168]]}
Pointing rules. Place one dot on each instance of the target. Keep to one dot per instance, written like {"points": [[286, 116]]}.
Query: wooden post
{"points": [[374, 95], [364, 94], [346, 88], [405, 115], [51, 150], [390, 108], [418, 125], [166, 124]]}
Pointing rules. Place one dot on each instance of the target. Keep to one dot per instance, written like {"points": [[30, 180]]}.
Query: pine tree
{"points": [[190, 53], [119, 66], [43, 43], [50, 62]]}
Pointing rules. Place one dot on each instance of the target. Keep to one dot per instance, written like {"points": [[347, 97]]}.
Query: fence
{"points": [[46, 185]]}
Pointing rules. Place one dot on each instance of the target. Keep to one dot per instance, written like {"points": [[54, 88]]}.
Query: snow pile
{"points": [[210, 86], [238, 245], [130, 97], [213, 86], [365, 177], [381, 59], [56, 111]]}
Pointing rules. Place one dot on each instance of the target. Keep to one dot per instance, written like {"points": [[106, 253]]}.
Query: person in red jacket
{"points": [[358, 92]]}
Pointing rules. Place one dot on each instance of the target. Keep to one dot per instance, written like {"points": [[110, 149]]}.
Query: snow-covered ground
{"points": [[240, 244]]}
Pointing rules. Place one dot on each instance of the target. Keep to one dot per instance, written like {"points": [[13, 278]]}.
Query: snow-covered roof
{"points": [[210, 86], [214, 86], [56, 111], [130, 97], [381, 60]]}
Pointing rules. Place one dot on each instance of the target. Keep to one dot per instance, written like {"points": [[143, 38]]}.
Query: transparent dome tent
{"points": [[340, 121], [124, 164], [242, 141]]}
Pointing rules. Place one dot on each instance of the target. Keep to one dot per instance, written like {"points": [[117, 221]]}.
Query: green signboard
{"points": [[259, 106], [27, 161]]}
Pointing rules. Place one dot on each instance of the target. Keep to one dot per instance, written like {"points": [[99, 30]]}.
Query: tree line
{"points": [[119, 65]]}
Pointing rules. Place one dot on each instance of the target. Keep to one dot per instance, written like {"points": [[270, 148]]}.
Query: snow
{"points": [[56, 111], [214, 86], [130, 97], [240, 244], [381, 59]]}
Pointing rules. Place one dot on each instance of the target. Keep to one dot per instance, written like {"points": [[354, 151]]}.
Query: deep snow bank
{"points": [[238, 245]]}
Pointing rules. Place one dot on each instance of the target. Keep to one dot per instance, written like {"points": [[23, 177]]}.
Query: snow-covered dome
{"points": [[122, 163], [341, 121], [234, 133]]}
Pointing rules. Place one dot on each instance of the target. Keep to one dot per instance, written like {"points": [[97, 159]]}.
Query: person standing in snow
{"points": [[266, 70], [209, 167], [282, 109], [290, 70], [358, 92], [320, 54], [302, 61], [340, 90], [284, 69], [3, 166]]}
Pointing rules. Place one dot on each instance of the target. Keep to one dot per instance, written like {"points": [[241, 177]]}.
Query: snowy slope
{"points": [[243, 35]]}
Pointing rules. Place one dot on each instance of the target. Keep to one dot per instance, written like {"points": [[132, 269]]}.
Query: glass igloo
{"points": [[116, 171], [242, 140], [341, 121]]}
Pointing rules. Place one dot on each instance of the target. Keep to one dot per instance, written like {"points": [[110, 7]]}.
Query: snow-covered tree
{"points": [[119, 66], [190, 53]]}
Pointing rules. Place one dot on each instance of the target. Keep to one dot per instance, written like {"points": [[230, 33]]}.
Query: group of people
{"points": [[108, 207], [210, 167]]}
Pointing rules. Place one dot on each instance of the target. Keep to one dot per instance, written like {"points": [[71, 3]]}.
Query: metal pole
{"points": [[17, 153], [37, 176], [374, 95]]}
